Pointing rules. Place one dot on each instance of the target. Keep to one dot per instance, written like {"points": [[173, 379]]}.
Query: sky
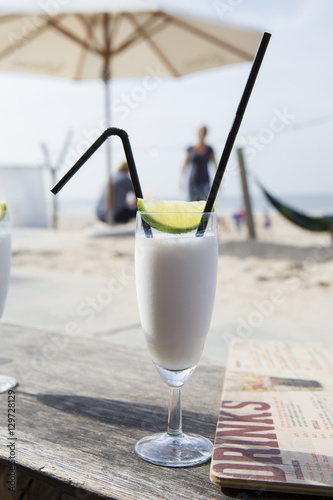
{"points": [[286, 131]]}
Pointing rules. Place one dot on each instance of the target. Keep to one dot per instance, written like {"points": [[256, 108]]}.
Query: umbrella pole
{"points": [[109, 212], [107, 83], [108, 124]]}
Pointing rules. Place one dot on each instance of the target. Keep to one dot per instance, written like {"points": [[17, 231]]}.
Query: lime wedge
{"points": [[170, 216], [3, 209]]}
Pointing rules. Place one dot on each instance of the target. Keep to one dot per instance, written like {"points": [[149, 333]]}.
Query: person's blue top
{"points": [[199, 165], [122, 185]]}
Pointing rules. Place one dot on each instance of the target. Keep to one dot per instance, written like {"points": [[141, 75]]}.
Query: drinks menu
{"points": [[275, 425]]}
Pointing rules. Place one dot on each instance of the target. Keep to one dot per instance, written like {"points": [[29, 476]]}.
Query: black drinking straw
{"points": [[93, 148], [233, 131]]}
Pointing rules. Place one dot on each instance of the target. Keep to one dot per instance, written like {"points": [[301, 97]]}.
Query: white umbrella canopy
{"points": [[115, 39], [81, 45]]}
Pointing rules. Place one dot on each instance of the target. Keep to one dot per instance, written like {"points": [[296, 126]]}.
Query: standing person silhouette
{"points": [[198, 158]]}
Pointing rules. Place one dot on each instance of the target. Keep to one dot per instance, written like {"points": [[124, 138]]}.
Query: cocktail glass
{"points": [[176, 282], [6, 383]]}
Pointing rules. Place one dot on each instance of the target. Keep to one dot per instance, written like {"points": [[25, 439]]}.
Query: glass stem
{"points": [[175, 412]]}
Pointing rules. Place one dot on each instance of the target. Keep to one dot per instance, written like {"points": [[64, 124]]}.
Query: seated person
{"points": [[113, 205]]}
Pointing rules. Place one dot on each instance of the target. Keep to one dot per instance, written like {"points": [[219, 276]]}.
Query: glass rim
{"points": [[139, 212]]}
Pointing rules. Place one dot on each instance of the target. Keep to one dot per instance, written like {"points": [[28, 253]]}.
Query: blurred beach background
{"points": [[294, 84], [58, 275]]}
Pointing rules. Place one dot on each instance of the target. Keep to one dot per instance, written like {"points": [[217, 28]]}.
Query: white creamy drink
{"points": [[176, 281], [5, 255]]}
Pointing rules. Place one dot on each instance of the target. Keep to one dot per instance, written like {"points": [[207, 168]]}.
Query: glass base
{"points": [[7, 383], [184, 450]]}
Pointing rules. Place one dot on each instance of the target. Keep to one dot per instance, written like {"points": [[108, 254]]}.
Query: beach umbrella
{"points": [[115, 39]]}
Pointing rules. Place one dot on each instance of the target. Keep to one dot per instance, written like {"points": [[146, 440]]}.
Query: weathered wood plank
{"points": [[31, 487], [81, 408]]}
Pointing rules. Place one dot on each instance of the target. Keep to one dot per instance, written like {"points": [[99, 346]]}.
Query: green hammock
{"points": [[298, 218]]}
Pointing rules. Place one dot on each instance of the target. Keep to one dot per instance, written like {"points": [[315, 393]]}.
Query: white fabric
{"points": [[57, 6], [23, 190], [147, 44]]}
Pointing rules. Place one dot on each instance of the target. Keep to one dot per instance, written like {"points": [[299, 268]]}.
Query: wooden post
{"points": [[246, 196], [54, 200]]}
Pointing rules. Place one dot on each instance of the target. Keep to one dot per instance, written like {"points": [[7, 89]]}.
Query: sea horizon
{"points": [[312, 204]]}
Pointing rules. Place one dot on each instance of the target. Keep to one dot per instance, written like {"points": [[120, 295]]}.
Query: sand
{"points": [[278, 286]]}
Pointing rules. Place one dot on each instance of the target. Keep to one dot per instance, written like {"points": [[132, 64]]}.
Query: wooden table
{"points": [[82, 404], [80, 407]]}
